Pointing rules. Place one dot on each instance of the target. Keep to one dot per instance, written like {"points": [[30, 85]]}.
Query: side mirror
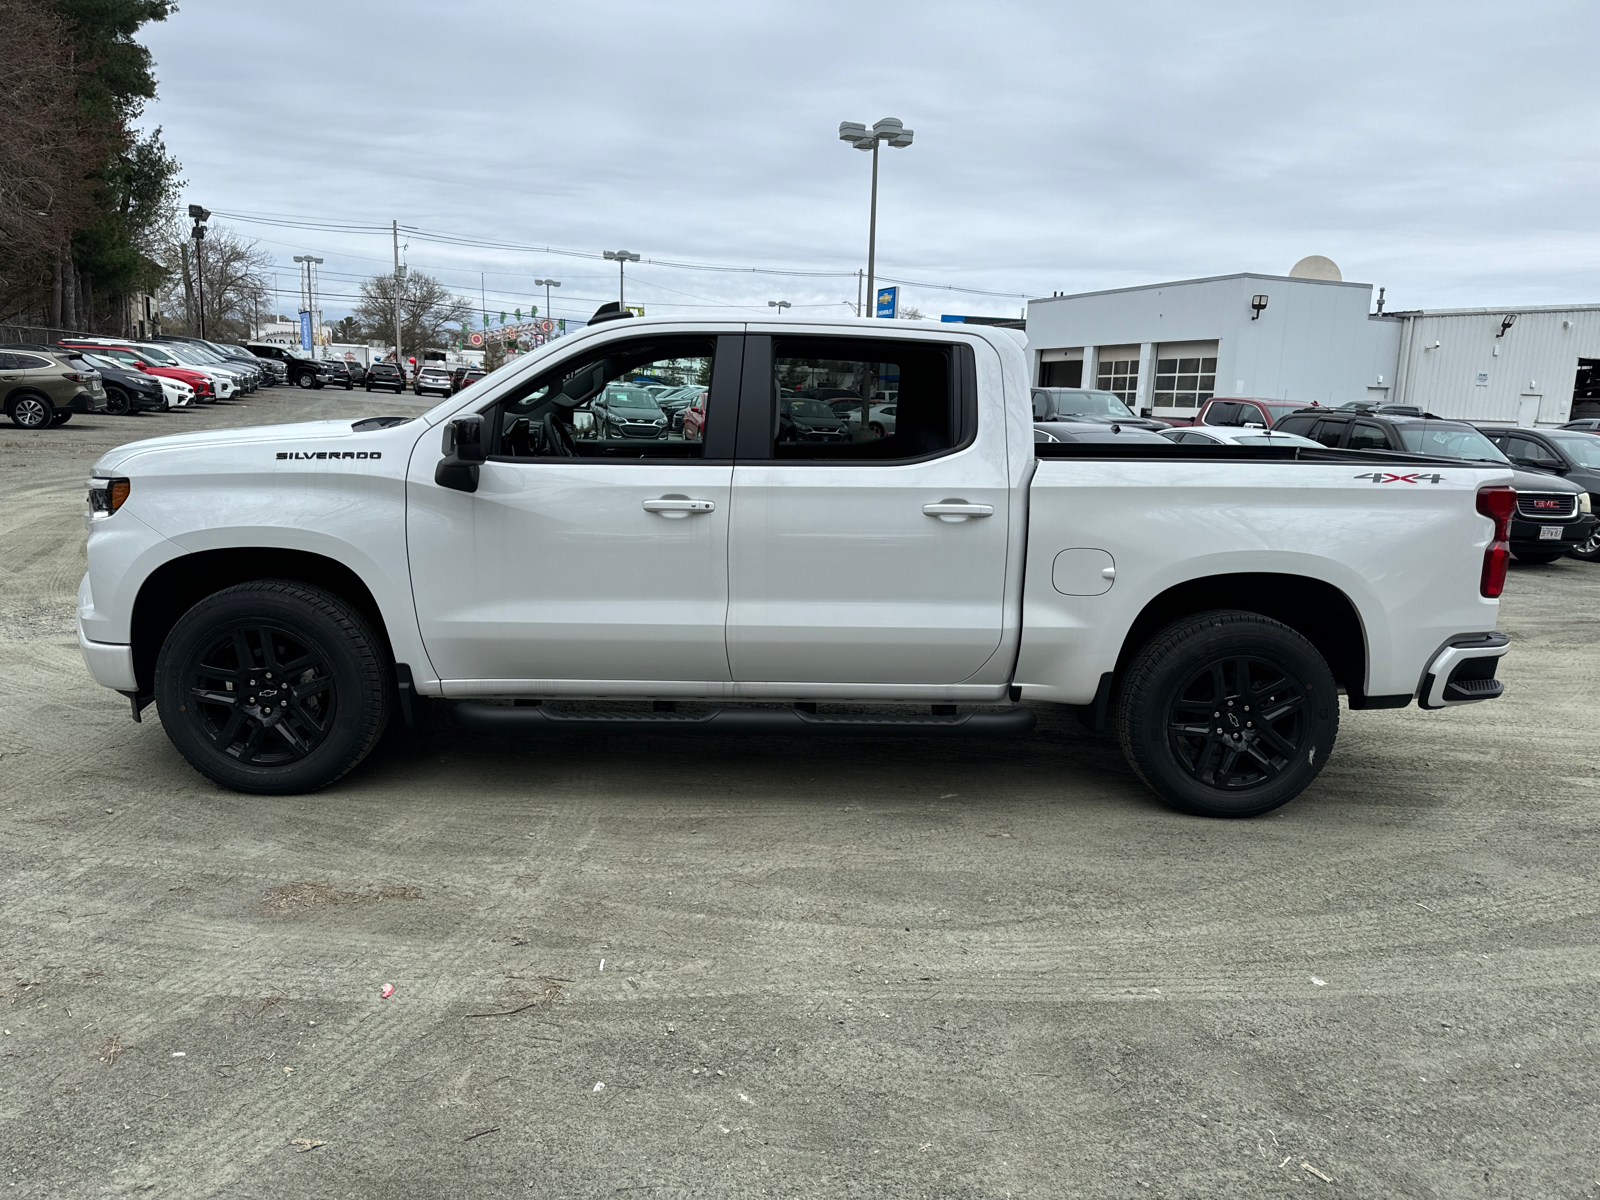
{"points": [[465, 447]]}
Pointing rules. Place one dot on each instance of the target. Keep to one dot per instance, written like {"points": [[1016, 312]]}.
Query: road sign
{"points": [[888, 302]]}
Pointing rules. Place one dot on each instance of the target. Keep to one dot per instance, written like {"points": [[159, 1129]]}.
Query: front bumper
{"points": [[1525, 537], [111, 665], [1462, 672]]}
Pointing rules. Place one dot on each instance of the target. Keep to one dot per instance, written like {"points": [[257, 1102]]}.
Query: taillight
{"points": [[74, 376], [1498, 504]]}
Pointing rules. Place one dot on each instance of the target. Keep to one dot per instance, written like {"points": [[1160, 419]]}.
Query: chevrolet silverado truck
{"points": [[281, 593]]}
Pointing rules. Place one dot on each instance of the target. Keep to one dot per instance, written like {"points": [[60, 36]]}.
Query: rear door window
{"points": [[1298, 425], [1367, 436], [1327, 431], [1224, 413]]}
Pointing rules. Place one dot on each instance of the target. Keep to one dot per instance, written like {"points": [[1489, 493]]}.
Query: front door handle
{"points": [[675, 508], [957, 510]]}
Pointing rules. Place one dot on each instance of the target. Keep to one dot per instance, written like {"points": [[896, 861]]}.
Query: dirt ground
{"points": [[658, 968]]}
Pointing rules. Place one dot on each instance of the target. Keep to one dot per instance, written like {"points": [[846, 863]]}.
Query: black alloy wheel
{"points": [[118, 403], [32, 412], [1227, 714], [272, 687]]}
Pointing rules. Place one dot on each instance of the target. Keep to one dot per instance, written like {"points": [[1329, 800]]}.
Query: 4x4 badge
{"points": [[1387, 477]]}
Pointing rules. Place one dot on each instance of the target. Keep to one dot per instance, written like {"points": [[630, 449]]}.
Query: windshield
{"points": [[1089, 404], [632, 398], [1449, 442], [811, 408], [94, 360], [159, 357], [1581, 448]]}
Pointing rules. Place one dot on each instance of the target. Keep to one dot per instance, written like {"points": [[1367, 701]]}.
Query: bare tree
{"points": [[233, 271], [425, 305]]}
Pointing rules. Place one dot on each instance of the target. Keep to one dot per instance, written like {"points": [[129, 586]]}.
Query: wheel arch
{"points": [[176, 586], [1313, 608], [22, 390]]}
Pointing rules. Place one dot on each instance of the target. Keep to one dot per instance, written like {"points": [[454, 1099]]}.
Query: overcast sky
{"points": [[1449, 151]]}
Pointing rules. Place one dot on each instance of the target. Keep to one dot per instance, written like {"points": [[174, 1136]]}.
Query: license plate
{"points": [[1551, 533]]}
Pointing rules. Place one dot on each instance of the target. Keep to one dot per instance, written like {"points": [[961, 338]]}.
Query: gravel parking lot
{"points": [[664, 968]]}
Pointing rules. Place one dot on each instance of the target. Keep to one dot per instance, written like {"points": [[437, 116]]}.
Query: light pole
{"points": [[890, 130], [200, 216], [780, 305], [547, 284], [622, 258], [311, 296]]}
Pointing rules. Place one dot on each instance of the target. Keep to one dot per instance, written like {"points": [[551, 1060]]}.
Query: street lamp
{"points": [[200, 216], [890, 130], [311, 295], [622, 258], [780, 305], [547, 284]]}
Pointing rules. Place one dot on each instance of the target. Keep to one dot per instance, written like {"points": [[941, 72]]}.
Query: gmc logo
{"points": [[1549, 505]]}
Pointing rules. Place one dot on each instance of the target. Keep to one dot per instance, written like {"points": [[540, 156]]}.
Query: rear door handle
{"points": [[675, 508], [957, 510]]}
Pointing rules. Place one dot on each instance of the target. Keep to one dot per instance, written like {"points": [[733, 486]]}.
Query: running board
{"points": [[496, 718]]}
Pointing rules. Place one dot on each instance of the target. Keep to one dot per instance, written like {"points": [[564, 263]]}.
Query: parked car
{"points": [[129, 391], [880, 417], [1183, 603], [41, 388], [626, 411], [199, 383], [386, 375], [302, 370], [805, 420], [224, 383], [244, 379], [1095, 431], [1569, 453], [339, 373], [1587, 424], [675, 400], [1238, 411], [1552, 516], [262, 374], [465, 376], [694, 418], [356, 370], [433, 377], [1079, 405], [1235, 435]]}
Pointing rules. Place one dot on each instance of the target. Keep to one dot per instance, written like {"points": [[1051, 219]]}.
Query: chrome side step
{"points": [[784, 722]]}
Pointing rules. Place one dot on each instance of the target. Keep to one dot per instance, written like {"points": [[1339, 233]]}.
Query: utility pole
{"points": [[200, 216], [858, 291]]}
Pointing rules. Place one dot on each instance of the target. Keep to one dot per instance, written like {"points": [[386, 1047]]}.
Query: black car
{"points": [[1569, 453], [356, 371], [385, 375], [805, 420], [339, 373], [128, 392], [624, 411], [302, 370], [1552, 514], [1078, 406]]}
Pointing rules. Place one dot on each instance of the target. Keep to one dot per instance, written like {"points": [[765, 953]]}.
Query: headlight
{"points": [[106, 496], [1584, 503]]}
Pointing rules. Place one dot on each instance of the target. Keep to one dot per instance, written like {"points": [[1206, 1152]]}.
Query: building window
{"points": [[1120, 376], [1184, 383]]}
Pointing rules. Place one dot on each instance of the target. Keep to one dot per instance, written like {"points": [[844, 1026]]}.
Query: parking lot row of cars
{"points": [[1556, 471]]}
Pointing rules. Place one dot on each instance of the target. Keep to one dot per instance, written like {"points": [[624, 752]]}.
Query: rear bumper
{"points": [[1462, 671], [85, 402]]}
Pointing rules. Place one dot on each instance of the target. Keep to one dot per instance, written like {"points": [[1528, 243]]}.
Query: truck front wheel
{"points": [[1227, 714], [272, 687]]}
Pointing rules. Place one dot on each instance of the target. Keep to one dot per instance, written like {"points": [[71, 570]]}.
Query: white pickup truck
{"points": [[280, 592]]}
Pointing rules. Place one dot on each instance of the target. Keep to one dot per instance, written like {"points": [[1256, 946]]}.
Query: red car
{"points": [[1240, 410], [694, 419], [132, 359]]}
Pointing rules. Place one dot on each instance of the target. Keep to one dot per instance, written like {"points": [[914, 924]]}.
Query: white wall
{"points": [[1314, 341], [1537, 356]]}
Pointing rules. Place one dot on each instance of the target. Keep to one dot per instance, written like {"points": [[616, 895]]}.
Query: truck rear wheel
{"points": [[272, 687], [1227, 714]]}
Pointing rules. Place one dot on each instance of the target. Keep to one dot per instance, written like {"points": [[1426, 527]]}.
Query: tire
{"points": [[1589, 549], [348, 386], [369, 389], [305, 380], [63, 415], [31, 411], [1189, 675], [877, 429], [339, 678], [118, 403], [1533, 559]]}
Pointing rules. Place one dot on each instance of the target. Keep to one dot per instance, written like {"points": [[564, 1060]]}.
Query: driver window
{"points": [[642, 399]]}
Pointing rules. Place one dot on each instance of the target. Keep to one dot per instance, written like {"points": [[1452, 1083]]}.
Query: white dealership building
{"points": [[1310, 336]]}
